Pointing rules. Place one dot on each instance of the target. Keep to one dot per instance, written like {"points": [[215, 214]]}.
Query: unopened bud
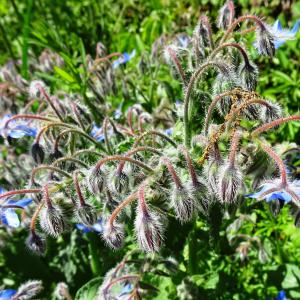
{"points": [[226, 15], [28, 290], [35, 88], [113, 235], [37, 153], [87, 214], [271, 112], [249, 75], [120, 182], [36, 243], [264, 41], [96, 181]]}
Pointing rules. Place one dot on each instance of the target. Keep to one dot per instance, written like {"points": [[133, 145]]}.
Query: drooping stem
{"points": [[35, 216], [19, 192], [123, 158], [87, 151], [94, 141], [106, 139], [77, 188], [189, 162], [27, 116], [234, 45], [230, 29], [142, 201], [122, 205], [189, 89], [46, 167], [46, 196], [106, 58], [77, 115], [68, 158], [171, 169], [177, 63], [274, 123], [278, 161], [153, 132]]}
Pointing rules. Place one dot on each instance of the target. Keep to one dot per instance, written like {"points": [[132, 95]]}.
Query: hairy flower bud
{"points": [[36, 243], [120, 182], [199, 193], [226, 15], [28, 290], [54, 155], [149, 229], [37, 153], [264, 41], [184, 206], [53, 221], [96, 181], [86, 214], [35, 88], [211, 172], [271, 112], [62, 291], [113, 235], [230, 180], [248, 73]]}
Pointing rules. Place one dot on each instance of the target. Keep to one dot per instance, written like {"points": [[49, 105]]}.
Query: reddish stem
{"points": [[177, 63], [18, 192], [77, 188], [172, 171]]}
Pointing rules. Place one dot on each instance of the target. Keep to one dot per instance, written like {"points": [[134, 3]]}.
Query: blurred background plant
{"points": [[257, 254]]}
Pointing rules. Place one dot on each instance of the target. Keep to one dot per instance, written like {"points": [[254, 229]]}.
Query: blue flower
{"points": [[169, 131], [97, 227], [17, 128], [281, 35], [281, 295], [97, 133], [272, 190], [7, 294], [8, 216], [123, 59], [126, 290]]}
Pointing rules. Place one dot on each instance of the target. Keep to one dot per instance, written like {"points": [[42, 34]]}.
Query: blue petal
{"points": [[258, 194], [277, 25], [83, 228], [281, 295], [98, 227], [278, 43], [169, 131], [295, 27], [126, 289], [10, 218], [7, 294], [23, 202], [279, 196], [2, 190]]}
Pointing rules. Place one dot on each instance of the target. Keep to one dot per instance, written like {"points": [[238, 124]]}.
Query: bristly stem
{"points": [[142, 201], [234, 45], [46, 196], [278, 161], [177, 63], [77, 188], [257, 20], [35, 216], [275, 123], [153, 132], [68, 158], [19, 192], [234, 147], [46, 167], [87, 151], [172, 171], [119, 208], [194, 78], [77, 115], [27, 116], [189, 162], [106, 139]]}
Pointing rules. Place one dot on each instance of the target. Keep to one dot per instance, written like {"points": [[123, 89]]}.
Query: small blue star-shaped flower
{"points": [[7, 294], [123, 59]]}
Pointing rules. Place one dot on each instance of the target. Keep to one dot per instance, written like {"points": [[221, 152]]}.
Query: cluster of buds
{"points": [[166, 175]]}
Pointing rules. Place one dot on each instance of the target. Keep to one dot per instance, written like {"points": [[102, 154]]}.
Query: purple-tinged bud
{"points": [[113, 235], [149, 229], [248, 73], [226, 15], [53, 221], [198, 192], [211, 172], [230, 181], [265, 41], [184, 206], [120, 182], [271, 112], [252, 112], [36, 243], [28, 290], [35, 88], [96, 181], [37, 153], [86, 214]]}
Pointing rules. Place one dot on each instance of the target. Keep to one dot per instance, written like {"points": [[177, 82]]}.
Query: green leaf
{"points": [[89, 290], [64, 75]]}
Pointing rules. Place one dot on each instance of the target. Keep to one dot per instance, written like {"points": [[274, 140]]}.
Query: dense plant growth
{"points": [[190, 198]]}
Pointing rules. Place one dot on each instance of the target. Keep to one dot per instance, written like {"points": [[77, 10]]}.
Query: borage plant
{"points": [[95, 173]]}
